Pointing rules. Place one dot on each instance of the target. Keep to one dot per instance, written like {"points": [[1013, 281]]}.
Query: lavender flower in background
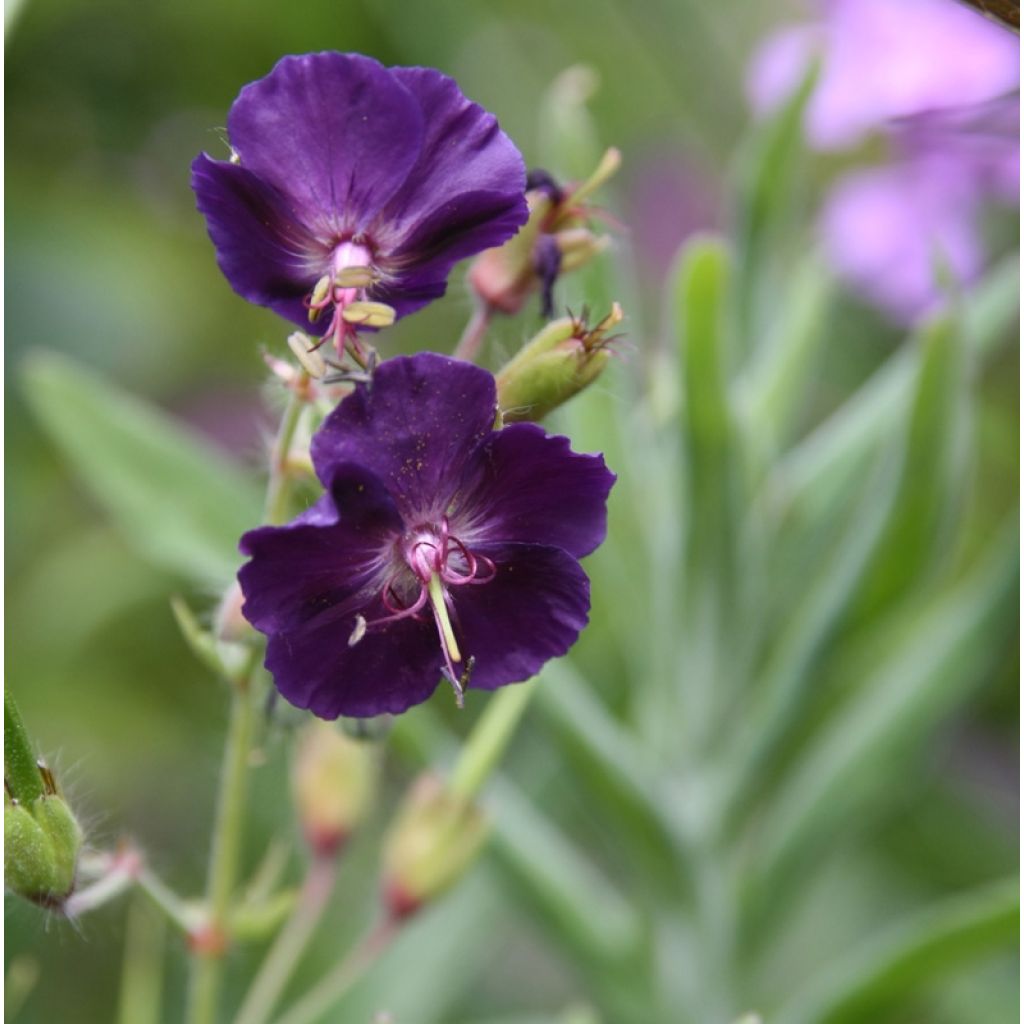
{"points": [[351, 182], [939, 81], [442, 546]]}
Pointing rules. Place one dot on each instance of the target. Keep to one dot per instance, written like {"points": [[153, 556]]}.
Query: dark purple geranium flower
{"points": [[442, 546], [384, 177]]}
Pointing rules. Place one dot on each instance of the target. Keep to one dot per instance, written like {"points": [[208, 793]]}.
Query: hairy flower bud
{"points": [[333, 781], [41, 845], [563, 359], [435, 838]]}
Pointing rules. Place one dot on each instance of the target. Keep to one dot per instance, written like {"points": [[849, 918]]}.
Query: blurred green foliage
{"points": [[779, 779]]}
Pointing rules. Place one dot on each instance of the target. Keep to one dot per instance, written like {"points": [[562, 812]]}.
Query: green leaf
{"points": [[775, 387], [908, 955], [182, 506], [767, 171], [943, 654], [933, 479], [820, 471], [808, 627], [615, 769], [708, 428]]}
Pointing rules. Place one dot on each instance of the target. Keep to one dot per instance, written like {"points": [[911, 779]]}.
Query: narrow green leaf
{"points": [[941, 657], [774, 388], [767, 170], [566, 888], [908, 955], [615, 769], [820, 471], [933, 476], [709, 433], [182, 506], [825, 599]]}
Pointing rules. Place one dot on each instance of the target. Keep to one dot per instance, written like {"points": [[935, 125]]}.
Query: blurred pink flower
{"points": [[940, 82], [883, 60]]}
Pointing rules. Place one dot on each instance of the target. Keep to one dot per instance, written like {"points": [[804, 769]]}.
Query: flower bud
{"points": [[563, 359], [505, 277], [41, 846], [434, 839], [554, 241], [230, 625], [333, 781]]}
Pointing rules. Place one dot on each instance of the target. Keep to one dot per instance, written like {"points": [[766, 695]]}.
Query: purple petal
{"points": [[337, 133], [531, 488], [464, 226], [414, 427], [467, 189], [384, 673], [887, 230], [532, 611], [263, 249], [322, 566]]}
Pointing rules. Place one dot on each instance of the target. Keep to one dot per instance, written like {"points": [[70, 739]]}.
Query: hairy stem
{"points": [[207, 965], [290, 943], [322, 996], [278, 485], [473, 336]]}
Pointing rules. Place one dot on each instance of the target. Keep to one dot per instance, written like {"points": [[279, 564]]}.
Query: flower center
{"points": [[433, 561], [343, 291]]}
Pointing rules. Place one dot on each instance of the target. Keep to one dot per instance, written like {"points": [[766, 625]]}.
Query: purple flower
{"points": [[442, 547], [350, 181], [939, 81]]}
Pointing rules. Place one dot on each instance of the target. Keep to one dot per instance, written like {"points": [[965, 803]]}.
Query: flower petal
{"points": [[532, 611], [415, 427], [531, 487], [468, 168], [386, 672], [325, 565], [337, 133], [887, 229], [465, 194], [263, 249], [467, 224]]}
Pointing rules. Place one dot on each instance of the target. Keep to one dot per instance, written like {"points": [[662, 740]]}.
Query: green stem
{"points": [[21, 773], [276, 506], [489, 738], [319, 999], [142, 972], [207, 967], [290, 943]]}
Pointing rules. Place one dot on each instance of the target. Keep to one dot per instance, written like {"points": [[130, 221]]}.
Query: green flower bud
{"points": [[562, 360], [41, 846], [434, 839], [334, 779]]}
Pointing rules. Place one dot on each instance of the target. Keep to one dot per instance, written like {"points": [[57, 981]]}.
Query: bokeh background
{"points": [[107, 103]]}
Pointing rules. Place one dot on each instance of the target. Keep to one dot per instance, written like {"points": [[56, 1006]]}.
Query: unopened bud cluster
{"points": [[563, 359], [42, 841], [556, 240]]}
